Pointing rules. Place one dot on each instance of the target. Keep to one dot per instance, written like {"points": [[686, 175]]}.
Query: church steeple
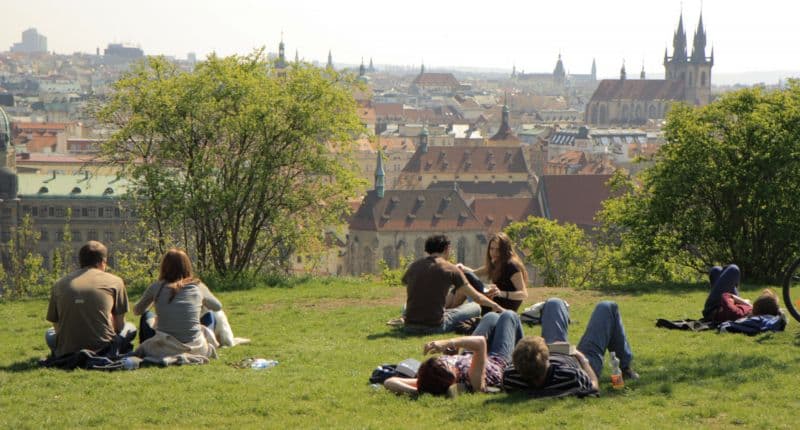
{"points": [[699, 43], [594, 70], [296, 57], [679, 43], [371, 68], [379, 176], [641, 74], [361, 69], [559, 73], [422, 68], [423, 139], [622, 73], [330, 60], [281, 53]]}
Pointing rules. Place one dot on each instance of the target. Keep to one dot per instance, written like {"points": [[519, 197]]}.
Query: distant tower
{"points": [[559, 74], [281, 54], [296, 57], [361, 69], [594, 70], [422, 68], [330, 60], [371, 68], [641, 74], [694, 71], [379, 176], [514, 71], [622, 73]]}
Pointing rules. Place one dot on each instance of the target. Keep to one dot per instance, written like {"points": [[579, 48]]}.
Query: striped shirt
{"points": [[564, 378]]}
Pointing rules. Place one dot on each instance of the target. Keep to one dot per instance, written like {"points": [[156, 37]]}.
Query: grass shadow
{"points": [[396, 334], [22, 366]]}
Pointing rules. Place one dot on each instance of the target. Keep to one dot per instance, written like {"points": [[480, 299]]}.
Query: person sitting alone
{"points": [[724, 303], [539, 372], [436, 290], [480, 368], [179, 298], [87, 308]]}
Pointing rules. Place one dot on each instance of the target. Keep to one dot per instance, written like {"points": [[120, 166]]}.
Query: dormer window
{"points": [[75, 190], [108, 191], [43, 190]]}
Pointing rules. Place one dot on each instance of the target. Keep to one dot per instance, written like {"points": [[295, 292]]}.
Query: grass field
{"points": [[328, 335]]}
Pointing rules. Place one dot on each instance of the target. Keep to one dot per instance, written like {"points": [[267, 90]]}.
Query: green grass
{"points": [[328, 335]]}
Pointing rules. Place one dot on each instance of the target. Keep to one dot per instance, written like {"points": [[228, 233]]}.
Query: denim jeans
{"points": [[121, 339], [604, 331], [722, 281], [147, 330], [451, 318], [502, 332]]}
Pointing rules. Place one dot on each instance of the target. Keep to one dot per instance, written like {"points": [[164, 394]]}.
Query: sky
{"points": [[746, 35]]}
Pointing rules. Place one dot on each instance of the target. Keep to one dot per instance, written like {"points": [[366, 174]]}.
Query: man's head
{"points": [[435, 376], [766, 304], [437, 244], [93, 254], [530, 358]]}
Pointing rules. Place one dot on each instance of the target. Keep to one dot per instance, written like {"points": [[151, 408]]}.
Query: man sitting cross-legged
{"points": [[540, 373], [436, 292]]}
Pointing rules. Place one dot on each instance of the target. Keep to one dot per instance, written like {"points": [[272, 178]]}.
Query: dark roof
{"points": [[443, 79], [497, 213], [638, 89], [414, 210], [573, 198], [468, 159], [483, 190]]}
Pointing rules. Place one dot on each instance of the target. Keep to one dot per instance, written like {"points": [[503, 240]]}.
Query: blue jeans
{"points": [[121, 339], [604, 331], [502, 332], [146, 329], [722, 281], [451, 318]]}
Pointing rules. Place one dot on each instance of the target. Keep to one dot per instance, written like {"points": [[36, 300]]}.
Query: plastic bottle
{"points": [[616, 373], [261, 363]]}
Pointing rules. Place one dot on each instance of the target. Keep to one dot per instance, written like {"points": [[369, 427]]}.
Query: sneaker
{"points": [[629, 374]]}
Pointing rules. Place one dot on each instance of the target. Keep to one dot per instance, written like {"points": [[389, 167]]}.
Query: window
{"points": [[84, 211], [6, 212], [44, 235], [76, 236], [5, 236], [92, 212], [59, 236], [92, 235], [59, 211], [51, 211], [117, 213], [108, 236], [109, 212], [35, 211]]}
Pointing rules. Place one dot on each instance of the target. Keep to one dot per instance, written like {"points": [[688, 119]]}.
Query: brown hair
{"points": [[176, 271], [434, 377], [530, 358], [92, 254], [507, 255], [766, 304]]}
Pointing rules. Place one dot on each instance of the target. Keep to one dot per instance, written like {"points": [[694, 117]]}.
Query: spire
{"points": [[712, 55], [281, 53], [379, 175], [622, 71], [594, 70], [679, 43], [330, 60], [371, 68], [559, 72], [361, 69], [506, 113], [699, 45], [422, 68], [641, 74], [514, 71], [296, 56]]}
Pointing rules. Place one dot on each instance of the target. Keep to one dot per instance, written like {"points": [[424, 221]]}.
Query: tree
{"points": [[723, 189], [237, 161], [25, 263]]}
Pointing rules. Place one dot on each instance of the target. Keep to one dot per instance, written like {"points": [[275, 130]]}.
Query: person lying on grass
{"points": [[724, 304], [490, 345]]}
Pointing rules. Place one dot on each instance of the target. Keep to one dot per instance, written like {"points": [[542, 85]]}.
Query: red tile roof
{"points": [[468, 159], [638, 89], [414, 210], [438, 79], [497, 213], [573, 198]]}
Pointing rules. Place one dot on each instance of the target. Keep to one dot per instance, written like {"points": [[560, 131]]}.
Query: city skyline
{"points": [[466, 34]]}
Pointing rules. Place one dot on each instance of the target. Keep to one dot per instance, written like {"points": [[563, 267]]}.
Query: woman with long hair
{"points": [[505, 270], [179, 298]]}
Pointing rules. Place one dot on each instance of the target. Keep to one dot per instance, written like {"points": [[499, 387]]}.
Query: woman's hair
{"points": [[766, 304], [530, 358], [434, 377], [507, 255], [176, 271]]}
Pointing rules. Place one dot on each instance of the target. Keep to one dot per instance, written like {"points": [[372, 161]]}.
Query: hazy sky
{"points": [[746, 35]]}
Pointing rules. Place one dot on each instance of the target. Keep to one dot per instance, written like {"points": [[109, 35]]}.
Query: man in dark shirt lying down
{"points": [[541, 374]]}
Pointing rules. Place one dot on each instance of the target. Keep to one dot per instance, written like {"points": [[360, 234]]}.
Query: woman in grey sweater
{"points": [[179, 298]]}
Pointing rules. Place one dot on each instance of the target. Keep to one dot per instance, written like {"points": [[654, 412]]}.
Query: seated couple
{"points": [[438, 291], [88, 307], [498, 356]]}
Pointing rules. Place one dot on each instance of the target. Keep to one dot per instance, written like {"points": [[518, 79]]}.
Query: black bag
{"points": [[382, 373]]}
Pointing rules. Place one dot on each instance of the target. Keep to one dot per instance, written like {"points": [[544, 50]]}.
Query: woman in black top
{"points": [[506, 272]]}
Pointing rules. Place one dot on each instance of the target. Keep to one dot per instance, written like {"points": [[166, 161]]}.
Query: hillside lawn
{"points": [[328, 335]]}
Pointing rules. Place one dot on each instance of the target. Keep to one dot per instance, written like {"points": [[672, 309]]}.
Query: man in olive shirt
{"points": [[87, 308], [434, 286]]}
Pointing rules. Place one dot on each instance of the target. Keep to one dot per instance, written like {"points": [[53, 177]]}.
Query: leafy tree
{"points": [[724, 189], [237, 161], [25, 263]]}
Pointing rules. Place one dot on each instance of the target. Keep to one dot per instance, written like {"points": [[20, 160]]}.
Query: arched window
{"points": [[652, 112], [639, 111], [626, 113], [691, 79], [703, 78], [388, 257], [368, 260], [461, 250], [603, 114]]}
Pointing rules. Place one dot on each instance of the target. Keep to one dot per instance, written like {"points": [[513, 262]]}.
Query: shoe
{"points": [[629, 374], [396, 322]]}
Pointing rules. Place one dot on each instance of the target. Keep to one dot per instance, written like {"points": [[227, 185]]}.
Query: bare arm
{"points": [[476, 344], [521, 290], [587, 368], [400, 385], [147, 299], [478, 297]]}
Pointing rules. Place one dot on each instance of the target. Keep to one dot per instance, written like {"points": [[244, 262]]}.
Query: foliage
{"points": [[563, 254], [136, 260], [328, 336], [238, 162], [393, 276], [724, 188], [63, 255], [25, 263]]}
